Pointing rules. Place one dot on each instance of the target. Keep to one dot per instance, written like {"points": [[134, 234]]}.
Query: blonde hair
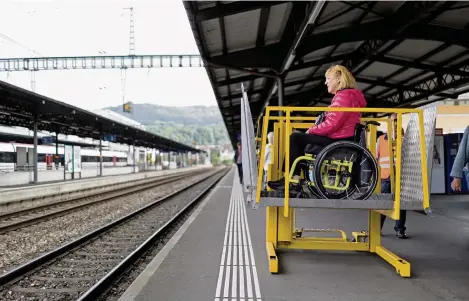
{"points": [[270, 137], [346, 79]]}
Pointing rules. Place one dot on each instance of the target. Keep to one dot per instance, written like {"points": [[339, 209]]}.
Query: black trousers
{"points": [[240, 172], [400, 224], [298, 142]]}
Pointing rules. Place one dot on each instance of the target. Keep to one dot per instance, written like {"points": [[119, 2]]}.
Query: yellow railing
{"points": [[283, 128]]}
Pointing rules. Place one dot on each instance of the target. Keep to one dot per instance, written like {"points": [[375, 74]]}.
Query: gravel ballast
{"points": [[68, 277], [30, 242]]}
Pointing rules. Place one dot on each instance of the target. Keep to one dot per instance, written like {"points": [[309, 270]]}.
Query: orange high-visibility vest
{"points": [[383, 157]]}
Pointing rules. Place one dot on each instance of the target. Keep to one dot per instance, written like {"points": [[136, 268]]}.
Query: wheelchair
{"points": [[344, 169]]}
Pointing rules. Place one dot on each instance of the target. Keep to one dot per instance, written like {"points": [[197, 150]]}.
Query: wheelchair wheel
{"points": [[345, 170], [308, 171]]}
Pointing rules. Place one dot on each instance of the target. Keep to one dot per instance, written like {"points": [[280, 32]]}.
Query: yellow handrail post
{"points": [[287, 165], [423, 158], [397, 195]]}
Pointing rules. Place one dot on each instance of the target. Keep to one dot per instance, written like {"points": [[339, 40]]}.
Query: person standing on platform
{"points": [[460, 162], [268, 155], [238, 158], [383, 157]]}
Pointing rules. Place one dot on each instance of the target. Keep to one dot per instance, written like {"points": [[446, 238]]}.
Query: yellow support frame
{"points": [[281, 231]]}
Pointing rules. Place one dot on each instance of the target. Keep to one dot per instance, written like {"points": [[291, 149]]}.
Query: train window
{"points": [[7, 157]]}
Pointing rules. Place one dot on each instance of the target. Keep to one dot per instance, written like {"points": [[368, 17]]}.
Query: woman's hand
{"points": [[456, 184]]}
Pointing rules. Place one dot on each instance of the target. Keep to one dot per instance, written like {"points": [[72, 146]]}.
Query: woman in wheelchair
{"points": [[335, 126]]}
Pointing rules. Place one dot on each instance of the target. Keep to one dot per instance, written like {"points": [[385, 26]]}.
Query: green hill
{"points": [[200, 124]]}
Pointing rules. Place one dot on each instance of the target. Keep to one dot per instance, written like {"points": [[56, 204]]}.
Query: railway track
{"points": [[86, 268], [18, 219]]}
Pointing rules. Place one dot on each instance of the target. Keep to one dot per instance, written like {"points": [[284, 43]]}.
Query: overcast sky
{"points": [[77, 28]]}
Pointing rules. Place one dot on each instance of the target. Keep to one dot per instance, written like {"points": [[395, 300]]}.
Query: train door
{"points": [[114, 160], [49, 161]]}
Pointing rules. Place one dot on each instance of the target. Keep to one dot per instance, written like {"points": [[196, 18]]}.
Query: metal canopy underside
{"points": [[403, 54], [19, 107]]}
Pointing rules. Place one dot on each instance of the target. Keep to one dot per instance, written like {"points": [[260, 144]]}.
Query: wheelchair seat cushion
{"points": [[313, 149]]}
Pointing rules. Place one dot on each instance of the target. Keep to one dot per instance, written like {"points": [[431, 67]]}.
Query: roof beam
{"points": [[398, 86], [232, 9], [427, 55], [265, 57], [295, 23], [401, 22], [444, 63], [331, 52], [419, 65], [432, 85], [299, 66]]}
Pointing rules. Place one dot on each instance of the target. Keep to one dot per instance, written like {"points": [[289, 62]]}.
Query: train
{"points": [[19, 155]]}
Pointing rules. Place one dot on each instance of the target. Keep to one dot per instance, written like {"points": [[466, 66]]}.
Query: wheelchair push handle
{"points": [[367, 123]]}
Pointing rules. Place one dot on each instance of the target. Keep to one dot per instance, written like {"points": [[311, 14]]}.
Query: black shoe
{"points": [[277, 184], [401, 235]]}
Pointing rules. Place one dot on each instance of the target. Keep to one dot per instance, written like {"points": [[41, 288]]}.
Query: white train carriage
{"points": [[18, 155]]}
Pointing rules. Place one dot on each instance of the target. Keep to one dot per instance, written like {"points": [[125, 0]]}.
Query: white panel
{"points": [[376, 90], [379, 70], [298, 74], [451, 51], [454, 18], [320, 53], [278, 17], [236, 73], [220, 74], [408, 73], [205, 4], [241, 30], [258, 83], [419, 78], [347, 47], [413, 49], [212, 34], [223, 91], [362, 86]]}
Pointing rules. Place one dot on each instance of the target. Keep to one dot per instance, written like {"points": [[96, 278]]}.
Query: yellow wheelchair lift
{"points": [[281, 231]]}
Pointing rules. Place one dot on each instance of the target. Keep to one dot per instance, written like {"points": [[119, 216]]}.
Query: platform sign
{"points": [[127, 107], [68, 157], [72, 156], [48, 139], [438, 171], [76, 159], [110, 138]]}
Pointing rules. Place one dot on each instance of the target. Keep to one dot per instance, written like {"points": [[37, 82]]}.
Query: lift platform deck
{"points": [[222, 246]]}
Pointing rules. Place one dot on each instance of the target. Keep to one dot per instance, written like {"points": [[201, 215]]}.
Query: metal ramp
{"points": [[248, 143]]}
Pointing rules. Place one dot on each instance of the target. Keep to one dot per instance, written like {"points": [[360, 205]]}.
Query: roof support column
{"points": [[100, 154], [134, 168], [57, 157], [35, 151], [281, 93]]}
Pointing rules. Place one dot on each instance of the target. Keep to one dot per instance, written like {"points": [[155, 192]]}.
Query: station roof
{"points": [[402, 53], [25, 139], [19, 107]]}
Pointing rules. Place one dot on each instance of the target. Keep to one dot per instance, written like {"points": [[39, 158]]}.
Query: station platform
{"points": [[25, 192], [219, 254]]}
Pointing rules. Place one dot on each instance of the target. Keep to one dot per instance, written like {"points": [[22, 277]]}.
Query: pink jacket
{"points": [[341, 124]]}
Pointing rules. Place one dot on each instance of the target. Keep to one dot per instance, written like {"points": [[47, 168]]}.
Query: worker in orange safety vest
{"points": [[383, 158]]}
